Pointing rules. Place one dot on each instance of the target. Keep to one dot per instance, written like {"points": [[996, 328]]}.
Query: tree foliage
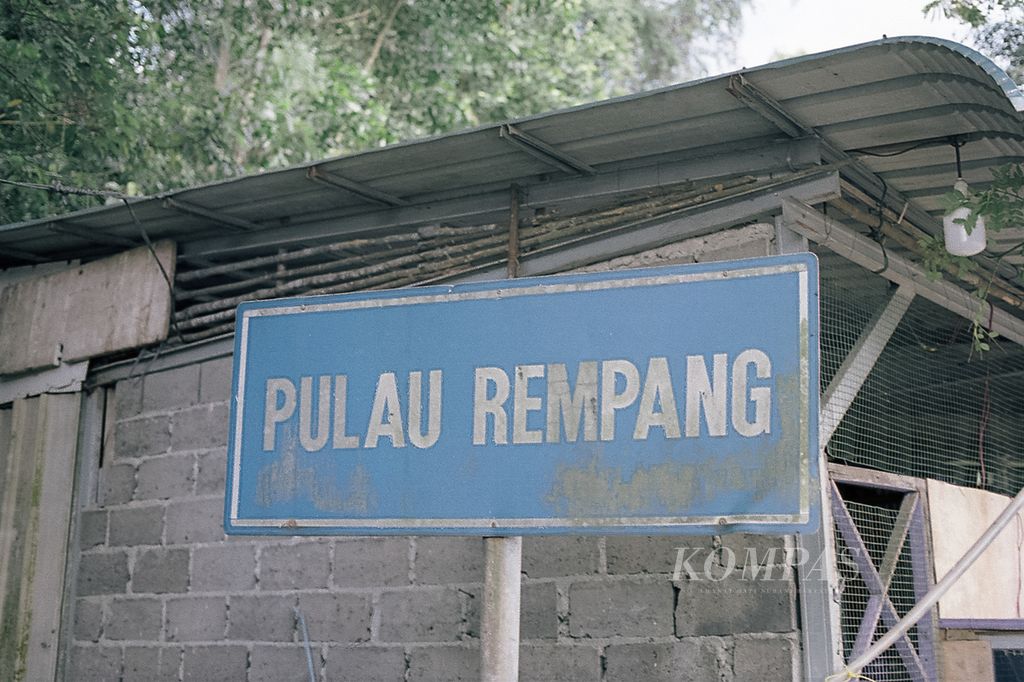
{"points": [[998, 27], [999, 31], [147, 95]]}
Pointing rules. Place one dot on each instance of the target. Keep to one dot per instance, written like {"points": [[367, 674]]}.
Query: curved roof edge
{"points": [[1013, 91], [999, 79]]}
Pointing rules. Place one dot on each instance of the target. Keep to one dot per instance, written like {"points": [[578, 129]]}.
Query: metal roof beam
{"points": [[539, 149], [855, 170], [493, 205], [216, 216], [334, 181], [740, 88]]}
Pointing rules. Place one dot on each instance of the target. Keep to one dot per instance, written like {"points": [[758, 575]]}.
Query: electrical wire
{"points": [[884, 155], [58, 188], [152, 251]]}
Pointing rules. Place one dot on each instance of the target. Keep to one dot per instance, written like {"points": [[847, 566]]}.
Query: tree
{"points": [[998, 27], [60, 117], [999, 30], [148, 95]]}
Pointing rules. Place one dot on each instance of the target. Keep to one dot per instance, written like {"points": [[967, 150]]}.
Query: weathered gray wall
{"points": [[163, 595]]}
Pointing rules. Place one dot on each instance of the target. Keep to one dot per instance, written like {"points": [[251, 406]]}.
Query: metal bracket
{"points": [[542, 150], [334, 181], [216, 216], [740, 88]]}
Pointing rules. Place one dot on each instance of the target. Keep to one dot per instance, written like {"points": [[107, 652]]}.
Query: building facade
{"points": [[115, 390]]}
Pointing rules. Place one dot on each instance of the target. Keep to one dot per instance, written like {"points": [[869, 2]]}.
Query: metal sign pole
{"points": [[503, 556], [499, 646]]}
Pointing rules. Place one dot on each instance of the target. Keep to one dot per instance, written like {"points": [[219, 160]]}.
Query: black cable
{"points": [[152, 251], [59, 188], [884, 155]]}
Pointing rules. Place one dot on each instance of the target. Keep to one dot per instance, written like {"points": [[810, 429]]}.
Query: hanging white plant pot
{"points": [[958, 241]]}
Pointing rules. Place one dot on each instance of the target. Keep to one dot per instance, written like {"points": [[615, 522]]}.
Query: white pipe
{"points": [[922, 607], [499, 636]]}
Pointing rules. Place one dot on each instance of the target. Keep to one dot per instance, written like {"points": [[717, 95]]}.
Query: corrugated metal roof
{"points": [[880, 97]]}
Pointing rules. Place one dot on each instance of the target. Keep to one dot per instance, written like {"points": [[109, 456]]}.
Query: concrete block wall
{"points": [[162, 594]]}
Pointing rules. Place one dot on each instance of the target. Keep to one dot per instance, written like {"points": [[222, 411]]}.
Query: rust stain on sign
{"points": [[286, 479], [596, 487]]}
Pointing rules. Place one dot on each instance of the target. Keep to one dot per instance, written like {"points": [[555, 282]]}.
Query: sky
{"points": [[776, 29]]}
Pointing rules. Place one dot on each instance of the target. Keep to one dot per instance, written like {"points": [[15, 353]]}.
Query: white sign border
{"points": [[548, 522]]}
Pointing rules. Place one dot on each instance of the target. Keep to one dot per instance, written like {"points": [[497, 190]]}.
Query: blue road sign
{"points": [[669, 400]]}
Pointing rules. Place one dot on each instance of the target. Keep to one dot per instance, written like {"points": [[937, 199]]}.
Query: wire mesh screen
{"points": [[932, 406], [850, 297], [1009, 665], [874, 523]]}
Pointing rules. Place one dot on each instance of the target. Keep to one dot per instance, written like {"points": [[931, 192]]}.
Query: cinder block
{"points": [[620, 608], [262, 618], [747, 547], [767, 660], [169, 389], [282, 664], [691, 660], [128, 398], [195, 619], [142, 437], [336, 617], [733, 606], [306, 565], [200, 428], [228, 567], [151, 664], [136, 619], [103, 574], [212, 471], [548, 557], [88, 620], [95, 664], [422, 615], [161, 478], [223, 662], [215, 380], [449, 663], [559, 663], [371, 562], [192, 521], [137, 526], [365, 664], [92, 528], [160, 571], [117, 483], [627, 554], [538, 612], [441, 560]]}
